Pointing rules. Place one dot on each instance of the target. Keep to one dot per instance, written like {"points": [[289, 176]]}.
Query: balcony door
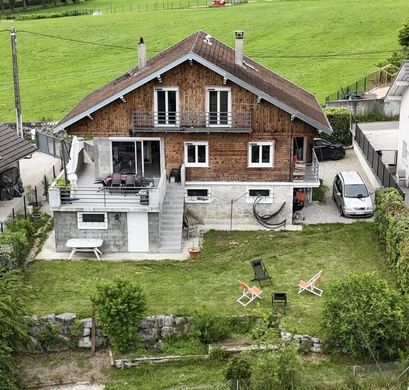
{"points": [[166, 106], [218, 107]]}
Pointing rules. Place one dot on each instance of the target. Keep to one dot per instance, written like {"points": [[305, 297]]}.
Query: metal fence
{"points": [[374, 159], [382, 77], [53, 146]]}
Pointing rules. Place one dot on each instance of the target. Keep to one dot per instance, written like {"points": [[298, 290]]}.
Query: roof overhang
{"points": [[189, 57], [400, 84]]}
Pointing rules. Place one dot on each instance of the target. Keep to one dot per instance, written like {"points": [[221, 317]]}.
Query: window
{"points": [[166, 106], [261, 154], [92, 221], [218, 107], [265, 193], [197, 195], [196, 154]]}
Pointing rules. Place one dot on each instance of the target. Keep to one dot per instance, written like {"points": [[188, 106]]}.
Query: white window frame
{"points": [[260, 144], [265, 199], [155, 109], [195, 199], [196, 164], [92, 225], [207, 108]]}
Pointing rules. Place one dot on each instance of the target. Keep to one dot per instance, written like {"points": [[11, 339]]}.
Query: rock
{"points": [[168, 320], [315, 340], [50, 318], [100, 341], [32, 346], [180, 321], [159, 321], [316, 345], [66, 318], [86, 322], [148, 335], [147, 322], [167, 331], [315, 350], [86, 332], [35, 330], [84, 342], [59, 344]]}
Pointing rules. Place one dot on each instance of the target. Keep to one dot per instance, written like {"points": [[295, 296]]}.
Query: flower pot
{"points": [[194, 253], [36, 217]]}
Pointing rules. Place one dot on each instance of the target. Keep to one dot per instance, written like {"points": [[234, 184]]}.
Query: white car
{"points": [[351, 195]]}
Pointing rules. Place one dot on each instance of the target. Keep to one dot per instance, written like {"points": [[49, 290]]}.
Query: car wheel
{"points": [[337, 155]]}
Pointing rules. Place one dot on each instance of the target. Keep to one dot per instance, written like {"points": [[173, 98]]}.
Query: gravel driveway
{"points": [[329, 212]]}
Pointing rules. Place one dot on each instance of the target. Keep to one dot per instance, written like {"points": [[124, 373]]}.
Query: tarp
{"points": [[10, 184]]}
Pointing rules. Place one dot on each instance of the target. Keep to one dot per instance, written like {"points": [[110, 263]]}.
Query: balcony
{"points": [[307, 173], [191, 122]]}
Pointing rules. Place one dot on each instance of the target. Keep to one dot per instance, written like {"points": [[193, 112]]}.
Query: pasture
{"points": [[318, 44]]}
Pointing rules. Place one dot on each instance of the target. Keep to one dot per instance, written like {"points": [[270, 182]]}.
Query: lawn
{"points": [[319, 44], [212, 281]]}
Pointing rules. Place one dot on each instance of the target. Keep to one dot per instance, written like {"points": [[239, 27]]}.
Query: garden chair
{"points": [[249, 294], [116, 183], [260, 272], [310, 285]]}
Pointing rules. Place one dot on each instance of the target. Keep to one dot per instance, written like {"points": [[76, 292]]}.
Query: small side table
{"points": [[279, 298]]}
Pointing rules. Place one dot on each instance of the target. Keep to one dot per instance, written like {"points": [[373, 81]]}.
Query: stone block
{"points": [[84, 342], [168, 320], [66, 318], [315, 339], [50, 318], [86, 332], [167, 331], [59, 344], [86, 322], [32, 346]]}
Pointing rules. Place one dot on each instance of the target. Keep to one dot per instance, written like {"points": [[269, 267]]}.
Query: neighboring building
{"points": [[12, 149], [399, 91], [232, 129]]}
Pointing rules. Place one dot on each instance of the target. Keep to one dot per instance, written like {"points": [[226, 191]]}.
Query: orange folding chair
{"points": [[249, 294]]}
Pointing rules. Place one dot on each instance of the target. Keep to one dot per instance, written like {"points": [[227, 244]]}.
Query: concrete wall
{"points": [[218, 211], [153, 221], [102, 156], [367, 106]]}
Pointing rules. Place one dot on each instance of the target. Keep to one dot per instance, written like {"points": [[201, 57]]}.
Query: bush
{"points": [[8, 260], [318, 194], [386, 200], [362, 314], [340, 120], [402, 266], [280, 369], [120, 306], [238, 369], [210, 328], [397, 230], [20, 243]]}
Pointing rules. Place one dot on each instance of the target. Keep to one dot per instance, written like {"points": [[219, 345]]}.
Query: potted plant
{"points": [[65, 189], [194, 251], [36, 215]]}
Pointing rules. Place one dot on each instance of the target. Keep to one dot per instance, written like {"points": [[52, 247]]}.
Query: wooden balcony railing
{"points": [[184, 121]]}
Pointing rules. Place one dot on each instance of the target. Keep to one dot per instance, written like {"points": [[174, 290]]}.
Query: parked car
{"points": [[351, 195], [326, 150]]}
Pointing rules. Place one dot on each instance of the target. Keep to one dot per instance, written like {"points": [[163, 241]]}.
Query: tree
{"points": [[120, 307], [403, 36], [362, 314]]}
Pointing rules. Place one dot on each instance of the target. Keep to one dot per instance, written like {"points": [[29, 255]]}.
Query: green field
{"points": [[298, 39], [212, 282]]}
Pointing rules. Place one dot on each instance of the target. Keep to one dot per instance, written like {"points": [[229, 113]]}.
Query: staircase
{"points": [[171, 219]]}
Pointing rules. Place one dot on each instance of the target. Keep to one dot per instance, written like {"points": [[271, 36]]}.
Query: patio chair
{"points": [[130, 184], [260, 272], [249, 294], [115, 183], [310, 285]]}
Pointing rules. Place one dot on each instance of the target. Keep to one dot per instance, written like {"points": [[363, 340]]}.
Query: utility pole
{"points": [[17, 99]]}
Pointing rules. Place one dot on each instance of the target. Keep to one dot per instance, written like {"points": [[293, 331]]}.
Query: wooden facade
{"points": [[228, 152]]}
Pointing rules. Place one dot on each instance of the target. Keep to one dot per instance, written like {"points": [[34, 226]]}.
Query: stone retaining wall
{"points": [[55, 333]]}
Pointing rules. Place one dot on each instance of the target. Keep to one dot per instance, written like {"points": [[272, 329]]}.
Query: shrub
{"points": [[120, 306], [385, 200], [18, 240], [340, 120], [362, 314], [8, 260], [403, 36], [280, 369], [238, 369], [319, 193], [210, 328], [397, 230], [402, 266], [218, 354]]}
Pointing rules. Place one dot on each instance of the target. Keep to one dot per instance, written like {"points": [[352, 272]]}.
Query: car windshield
{"points": [[356, 191]]}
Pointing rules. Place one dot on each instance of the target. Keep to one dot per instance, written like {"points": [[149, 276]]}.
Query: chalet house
{"points": [[206, 129], [399, 91]]}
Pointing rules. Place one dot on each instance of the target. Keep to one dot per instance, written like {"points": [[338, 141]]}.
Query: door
{"points": [[138, 232]]}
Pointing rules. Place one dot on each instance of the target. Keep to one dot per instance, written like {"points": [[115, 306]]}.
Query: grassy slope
{"points": [[56, 74], [212, 282]]}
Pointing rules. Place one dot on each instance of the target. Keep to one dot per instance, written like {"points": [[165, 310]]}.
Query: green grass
{"points": [[212, 281], [56, 74]]}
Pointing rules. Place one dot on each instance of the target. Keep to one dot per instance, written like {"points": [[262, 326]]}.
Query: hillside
{"points": [[315, 43]]}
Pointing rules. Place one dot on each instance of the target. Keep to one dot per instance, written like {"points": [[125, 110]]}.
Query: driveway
{"points": [[329, 212]]}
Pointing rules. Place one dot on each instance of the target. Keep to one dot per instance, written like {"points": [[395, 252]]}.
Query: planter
{"points": [[36, 217], [194, 253]]}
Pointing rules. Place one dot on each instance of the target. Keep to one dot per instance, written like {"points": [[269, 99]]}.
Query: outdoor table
{"points": [[84, 245]]}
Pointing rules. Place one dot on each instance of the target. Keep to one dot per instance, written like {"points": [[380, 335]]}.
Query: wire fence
{"points": [[382, 77]]}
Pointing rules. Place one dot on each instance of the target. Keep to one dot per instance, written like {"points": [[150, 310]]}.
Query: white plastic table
{"points": [[84, 245]]}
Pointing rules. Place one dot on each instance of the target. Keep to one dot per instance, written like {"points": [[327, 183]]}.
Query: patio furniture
{"points": [[260, 272], [310, 285], [84, 245], [174, 175], [279, 298], [116, 183], [249, 294]]}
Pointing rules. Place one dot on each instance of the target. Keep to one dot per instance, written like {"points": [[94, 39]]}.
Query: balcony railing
{"points": [[191, 121], [307, 172]]}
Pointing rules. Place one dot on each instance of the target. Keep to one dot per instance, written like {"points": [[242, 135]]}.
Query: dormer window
{"points": [[218, 107], [166, 107]]}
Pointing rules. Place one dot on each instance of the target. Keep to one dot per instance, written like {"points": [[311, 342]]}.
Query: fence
{"points": [[382, 77], [374, 159], [53, 146]]}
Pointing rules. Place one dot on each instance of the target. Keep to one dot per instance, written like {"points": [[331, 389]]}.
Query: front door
{"points": [[138, 232]]}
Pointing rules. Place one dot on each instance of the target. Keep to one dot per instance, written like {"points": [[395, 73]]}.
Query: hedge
{"points": [[340, 120]]}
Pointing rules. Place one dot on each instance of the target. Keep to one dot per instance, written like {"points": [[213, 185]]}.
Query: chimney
{"points": [[239, 47], [141, 53]]}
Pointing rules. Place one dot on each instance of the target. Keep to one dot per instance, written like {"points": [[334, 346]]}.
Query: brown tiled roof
{"points": [[277, 89], [12, 147]]}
